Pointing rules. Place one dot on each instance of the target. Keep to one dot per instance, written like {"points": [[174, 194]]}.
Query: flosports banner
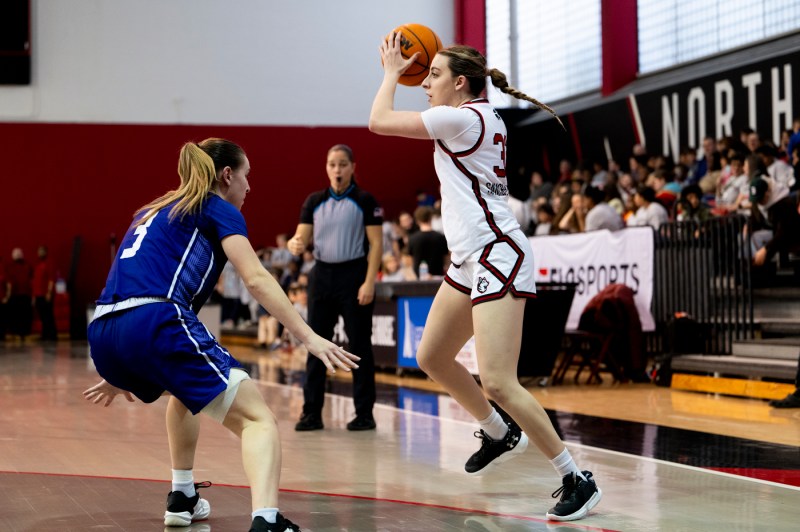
{"points": [[596, 259]]}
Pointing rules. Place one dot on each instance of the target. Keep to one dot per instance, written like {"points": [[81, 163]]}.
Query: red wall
{"points": [[65, 180]]}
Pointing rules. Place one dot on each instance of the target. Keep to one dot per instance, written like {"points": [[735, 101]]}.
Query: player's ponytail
{"points": [[198, 165], [500, 81]]}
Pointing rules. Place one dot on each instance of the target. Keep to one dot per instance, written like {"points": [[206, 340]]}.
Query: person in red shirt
{"points": [[20, 308], [43, 294], [5, 291]]}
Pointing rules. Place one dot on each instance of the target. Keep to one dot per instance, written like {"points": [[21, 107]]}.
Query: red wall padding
{"points": [[65, 180]]}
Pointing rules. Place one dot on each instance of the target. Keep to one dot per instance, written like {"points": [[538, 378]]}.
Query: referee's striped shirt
{"points": [[340, 222]]}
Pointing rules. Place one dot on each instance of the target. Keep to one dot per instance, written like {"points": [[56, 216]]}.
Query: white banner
{"points": [[596, 259]]}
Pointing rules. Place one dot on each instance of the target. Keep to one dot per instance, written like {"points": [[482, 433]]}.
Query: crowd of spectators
{"points": [[26, 287], [746, 175]]}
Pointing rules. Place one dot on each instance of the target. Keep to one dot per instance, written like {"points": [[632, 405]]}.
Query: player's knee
{"points": [[497, 388], [427, 363]]}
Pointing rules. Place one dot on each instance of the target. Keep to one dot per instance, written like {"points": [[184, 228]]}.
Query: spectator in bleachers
{"points": [[691, 208], [391, 271], [783, 147], [539, 188], [544, 220], [794, 141], [778, 170], [20, 304], [405, 228], [688, 160], [436, 221], [566, 220], [308, 261], [733, 189], [772, 207], [289, 274], [564, 171], [427, 245], [44, 284], [389, 235], [613, 197], [5, 292], [229, 287], [577, 182], [595, 213], [298, 295], [753, 141], [753, 168], [648, 210], [709, 159], [599, 174], [627, 189], [744, 133], [281, 256], [667, 191], [267, 326], [638, 168], [424, 199]]}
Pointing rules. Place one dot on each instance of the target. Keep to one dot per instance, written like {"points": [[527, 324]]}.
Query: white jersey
{"points": [[470, 162]]}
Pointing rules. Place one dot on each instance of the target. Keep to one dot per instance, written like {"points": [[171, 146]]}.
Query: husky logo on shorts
{"points": [[483, 284]]}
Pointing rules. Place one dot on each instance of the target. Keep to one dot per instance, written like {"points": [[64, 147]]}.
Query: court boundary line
{"points": [[571, 443], [569, 524]]}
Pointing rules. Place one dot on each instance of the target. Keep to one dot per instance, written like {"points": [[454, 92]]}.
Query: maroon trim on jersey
{"points": [[459, 287], [507, 281], [476, 187], [499, 295], [521, 294], [475, 146]]}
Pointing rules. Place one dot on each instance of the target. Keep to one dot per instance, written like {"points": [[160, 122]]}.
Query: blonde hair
{"points": [[198, 166], [468, 62]]}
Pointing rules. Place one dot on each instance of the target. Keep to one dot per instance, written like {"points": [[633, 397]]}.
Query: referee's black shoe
{"points": [[309, 422], [362, 423]]}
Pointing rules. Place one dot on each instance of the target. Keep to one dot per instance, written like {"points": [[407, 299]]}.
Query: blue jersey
{"points": [[179, 260]]}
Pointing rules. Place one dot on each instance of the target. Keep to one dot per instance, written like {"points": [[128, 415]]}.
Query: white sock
{"points": [[565, 465], [494, 426], [183, 480], [270, 515]]}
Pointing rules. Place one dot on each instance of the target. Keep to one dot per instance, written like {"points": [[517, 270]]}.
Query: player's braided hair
{"points": [[468, 62], [198, 165]]}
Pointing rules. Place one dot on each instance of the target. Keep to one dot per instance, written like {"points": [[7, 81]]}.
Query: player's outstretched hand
{"points": [[331, 354], [103, 390]]}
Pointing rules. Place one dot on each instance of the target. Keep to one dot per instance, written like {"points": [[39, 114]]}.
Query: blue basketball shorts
{"points": [[159, 347], [505, 265]]}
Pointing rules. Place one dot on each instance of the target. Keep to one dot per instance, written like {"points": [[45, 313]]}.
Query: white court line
{"points": [[568, 443]]}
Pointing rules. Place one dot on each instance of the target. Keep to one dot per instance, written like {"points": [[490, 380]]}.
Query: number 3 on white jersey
{"points": [[140, 233]]}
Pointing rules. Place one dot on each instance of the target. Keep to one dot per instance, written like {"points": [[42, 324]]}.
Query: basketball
{"points": [[417, 38]]}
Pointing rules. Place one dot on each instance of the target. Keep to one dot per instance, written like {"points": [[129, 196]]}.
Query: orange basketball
{"points": [[417, 38]]}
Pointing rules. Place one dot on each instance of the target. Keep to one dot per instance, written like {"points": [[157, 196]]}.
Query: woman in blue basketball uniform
{"points": [[146, 338], [492, 265]]}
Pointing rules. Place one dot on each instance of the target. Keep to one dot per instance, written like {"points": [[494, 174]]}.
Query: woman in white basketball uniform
{"points": [[492, 265]]}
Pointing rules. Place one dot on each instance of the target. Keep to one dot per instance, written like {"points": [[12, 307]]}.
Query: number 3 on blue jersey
{"points": [[140, 232]]}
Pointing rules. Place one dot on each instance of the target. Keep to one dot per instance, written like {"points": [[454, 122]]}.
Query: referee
{"points": [[346, 225]]}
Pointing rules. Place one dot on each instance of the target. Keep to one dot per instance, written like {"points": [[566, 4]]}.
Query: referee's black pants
{"points": [[333, 291]]}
